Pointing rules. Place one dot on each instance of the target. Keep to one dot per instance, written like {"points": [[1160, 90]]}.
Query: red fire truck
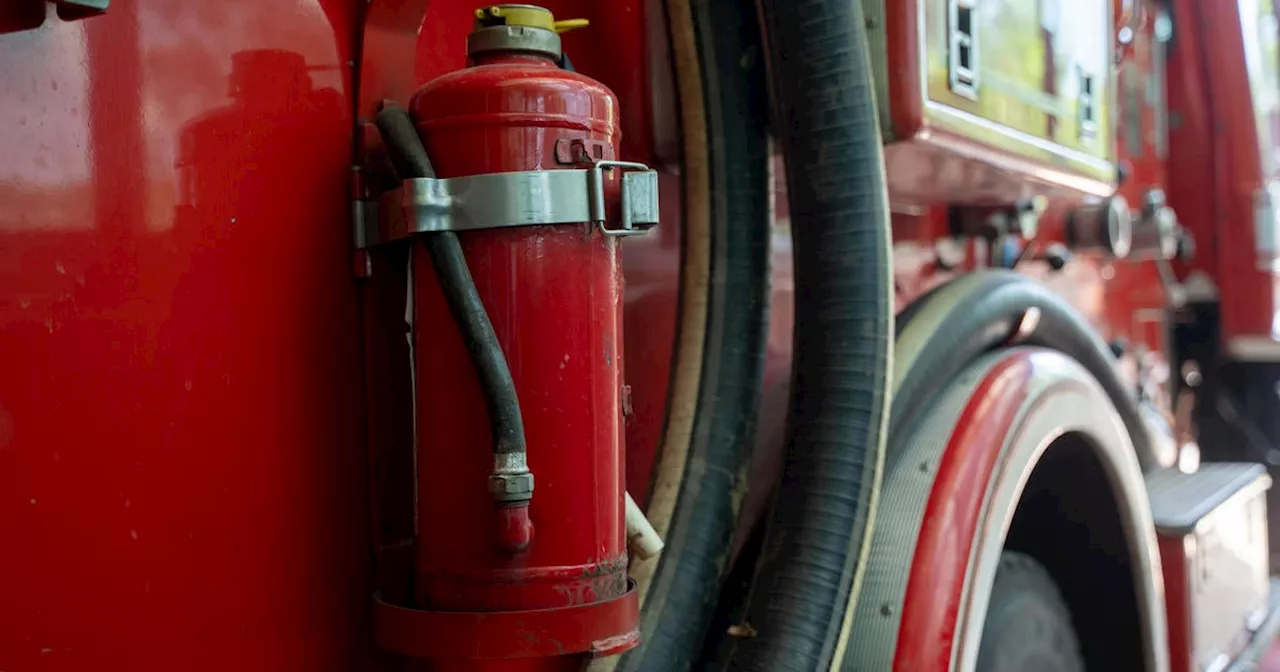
{"points": [[641, 335]]}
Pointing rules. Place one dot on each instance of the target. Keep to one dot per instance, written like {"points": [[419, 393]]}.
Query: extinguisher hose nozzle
{"points": [[506, 422]]}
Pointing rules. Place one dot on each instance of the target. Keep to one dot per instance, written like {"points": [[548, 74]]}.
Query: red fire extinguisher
{"points": [[516, 202]]}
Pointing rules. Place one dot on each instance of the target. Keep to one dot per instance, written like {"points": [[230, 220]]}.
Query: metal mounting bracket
{"points": [[503, 200]]}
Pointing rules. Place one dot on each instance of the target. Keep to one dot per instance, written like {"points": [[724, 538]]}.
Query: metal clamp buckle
{"points": [[503, 200], [639, 197]]}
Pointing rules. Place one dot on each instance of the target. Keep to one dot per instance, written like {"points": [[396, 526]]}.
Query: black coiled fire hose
{"points": [[809, 567]]}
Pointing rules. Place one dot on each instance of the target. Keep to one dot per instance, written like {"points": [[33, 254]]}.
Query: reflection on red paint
{"points": [[181, 469]]}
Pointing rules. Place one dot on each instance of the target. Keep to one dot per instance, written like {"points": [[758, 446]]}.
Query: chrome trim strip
{"points": [[957, 116], [1253, 349]]}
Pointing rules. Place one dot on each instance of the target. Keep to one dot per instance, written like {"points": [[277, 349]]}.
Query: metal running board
{"points": [[1212, 531]]}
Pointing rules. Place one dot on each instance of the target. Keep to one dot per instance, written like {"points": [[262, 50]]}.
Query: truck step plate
{"points": [[1212, 529]]}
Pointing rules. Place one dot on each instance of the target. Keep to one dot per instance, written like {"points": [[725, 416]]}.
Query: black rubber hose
{"points": [[410, 160], [821, 521], [685, 585], [956, 323]]}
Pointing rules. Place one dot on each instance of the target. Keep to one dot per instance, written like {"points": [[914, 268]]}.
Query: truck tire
{"points": [[985, 310], [1023, 451], [1028, 625]]}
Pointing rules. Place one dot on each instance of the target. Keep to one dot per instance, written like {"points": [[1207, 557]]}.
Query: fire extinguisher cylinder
{"points": [[518, 352], [518, 367]]}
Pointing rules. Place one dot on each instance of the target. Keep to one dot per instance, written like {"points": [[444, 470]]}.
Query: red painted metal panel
{"points": [[156, 233], [181, 458], [1192, 191], [906, 90], [1215, 166], [1177, 599], [390, 33]]}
